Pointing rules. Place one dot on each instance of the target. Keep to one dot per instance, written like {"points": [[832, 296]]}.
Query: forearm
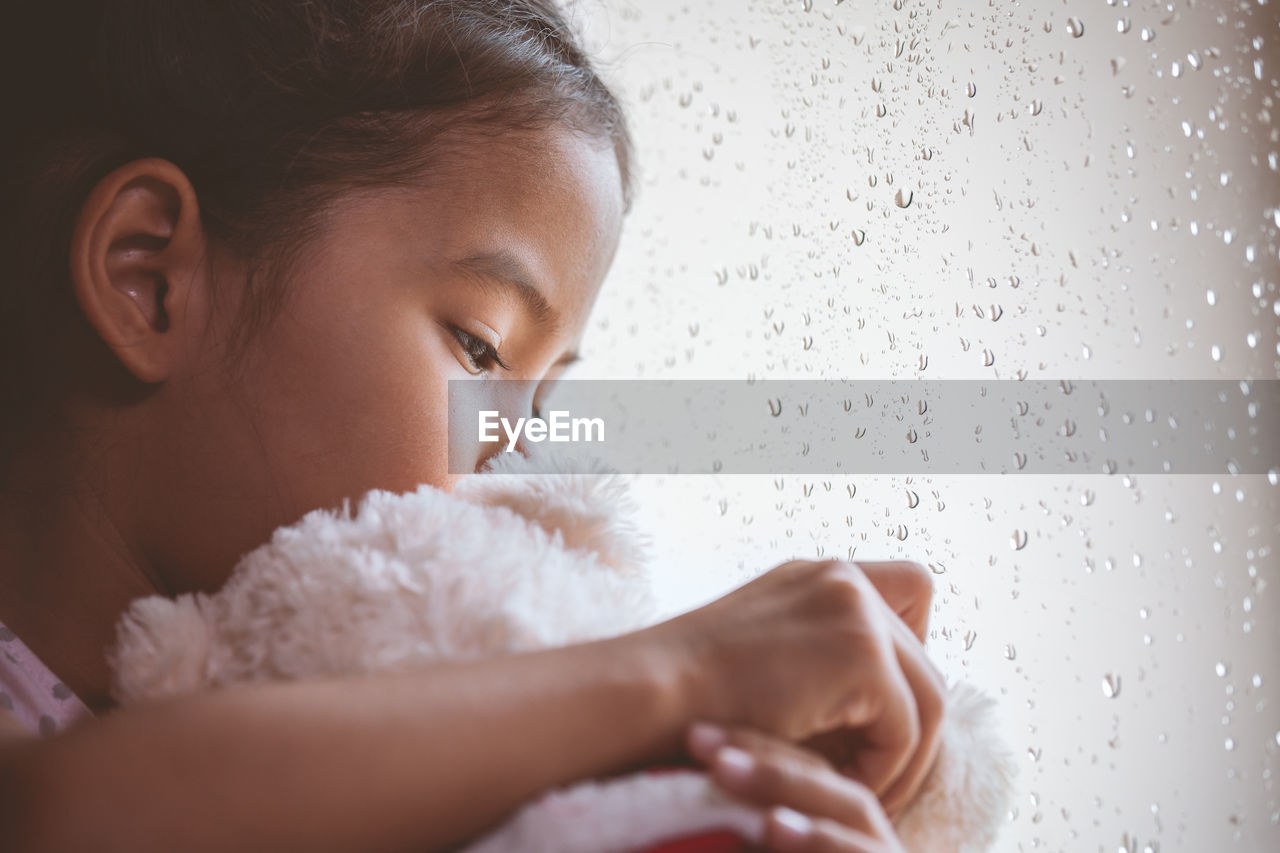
{"points": [[413, 761]]}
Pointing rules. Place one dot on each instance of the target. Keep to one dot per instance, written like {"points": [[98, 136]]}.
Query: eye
{"points": [[479, 352]]}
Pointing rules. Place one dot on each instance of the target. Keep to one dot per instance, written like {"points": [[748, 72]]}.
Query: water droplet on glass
{"points": [[1075, 27], [1111, 685], [1147, 34], [1221, 669], [971, 89], [1122, 25], [903, 197], [1019, 540]]}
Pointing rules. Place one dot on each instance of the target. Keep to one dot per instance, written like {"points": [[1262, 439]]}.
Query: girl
{"points": [[249, 242]]}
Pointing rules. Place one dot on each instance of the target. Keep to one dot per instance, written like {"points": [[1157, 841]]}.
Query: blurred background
{"points": [[902, 189]]}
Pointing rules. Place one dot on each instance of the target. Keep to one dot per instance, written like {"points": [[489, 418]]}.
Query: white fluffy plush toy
{"points": [[508, 561]]}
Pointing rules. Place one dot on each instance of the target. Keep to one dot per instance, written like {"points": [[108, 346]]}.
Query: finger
{"points": [[790, 831], [907, 587], [768, 776], [705, 739], [770, 770], [897, 784], [929, 691], [889, 728]]}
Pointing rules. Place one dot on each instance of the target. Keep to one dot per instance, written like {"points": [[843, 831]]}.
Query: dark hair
{"points": [[270, 107]]}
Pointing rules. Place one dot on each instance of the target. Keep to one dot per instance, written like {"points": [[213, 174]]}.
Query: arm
{"points": [[424, 760], [417, 760]]}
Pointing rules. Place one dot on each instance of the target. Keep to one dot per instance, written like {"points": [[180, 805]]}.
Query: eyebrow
{"points": [[514, 280]]}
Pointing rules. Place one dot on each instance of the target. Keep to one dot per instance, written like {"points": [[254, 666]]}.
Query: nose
{"points": [[511, 399]]}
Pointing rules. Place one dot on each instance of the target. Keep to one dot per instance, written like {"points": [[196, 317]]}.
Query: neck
{"points": [[69, 566]]}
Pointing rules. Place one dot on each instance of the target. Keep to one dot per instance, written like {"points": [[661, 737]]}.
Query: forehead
{"points": [[551, 199]]}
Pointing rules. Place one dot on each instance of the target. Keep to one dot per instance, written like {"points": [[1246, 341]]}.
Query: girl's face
{"points": [[405, 289]]}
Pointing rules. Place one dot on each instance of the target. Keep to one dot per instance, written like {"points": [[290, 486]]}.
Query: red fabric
{"points": [[718, 841], [713, 842]]}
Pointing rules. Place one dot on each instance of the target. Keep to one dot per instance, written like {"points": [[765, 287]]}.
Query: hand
{"points": [[908, 589], [813, 808], [812, 649]]}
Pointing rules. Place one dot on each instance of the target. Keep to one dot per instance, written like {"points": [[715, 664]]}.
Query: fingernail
{"points": [[735, 765], [705, 738], [793, 827]]}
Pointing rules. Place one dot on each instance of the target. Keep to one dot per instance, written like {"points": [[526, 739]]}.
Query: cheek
{"points": [[356, 400]]}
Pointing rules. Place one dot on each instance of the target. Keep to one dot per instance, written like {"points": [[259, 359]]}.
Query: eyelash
{"points": [[470, 342], [477, 348]]}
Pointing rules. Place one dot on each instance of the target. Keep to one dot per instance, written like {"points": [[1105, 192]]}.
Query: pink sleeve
{"points": [[30, 691]]}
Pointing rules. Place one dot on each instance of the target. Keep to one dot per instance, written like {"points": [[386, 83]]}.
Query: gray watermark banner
{"points": [[832, 427]]}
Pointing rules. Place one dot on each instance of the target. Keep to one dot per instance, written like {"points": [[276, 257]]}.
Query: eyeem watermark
{"points": [[537, 429], [829, 427]]}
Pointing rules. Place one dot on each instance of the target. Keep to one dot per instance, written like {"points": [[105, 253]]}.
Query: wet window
{"points": [[1082, 190]]}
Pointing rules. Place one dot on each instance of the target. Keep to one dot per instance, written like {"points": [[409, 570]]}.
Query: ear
{"points": [[136, 256]]}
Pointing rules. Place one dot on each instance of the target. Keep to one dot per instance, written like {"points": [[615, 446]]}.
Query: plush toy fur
{"points": [[508, 561]]}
